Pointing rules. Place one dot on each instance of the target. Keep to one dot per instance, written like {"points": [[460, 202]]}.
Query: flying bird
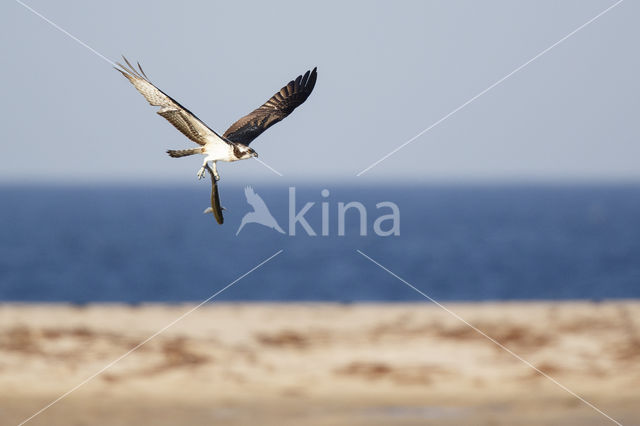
{"points": [[233, 145], [260, 213]]}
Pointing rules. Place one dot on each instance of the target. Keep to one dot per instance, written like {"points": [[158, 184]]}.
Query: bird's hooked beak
{"points": [[254, 154]]}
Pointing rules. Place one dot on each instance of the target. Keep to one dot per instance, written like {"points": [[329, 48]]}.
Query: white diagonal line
{"points": [[491, 87], [500, 345], [56, 26], [163, 329], [268, 166]]}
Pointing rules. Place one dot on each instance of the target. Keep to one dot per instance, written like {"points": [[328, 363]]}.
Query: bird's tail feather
{"points": [[177, 153]]}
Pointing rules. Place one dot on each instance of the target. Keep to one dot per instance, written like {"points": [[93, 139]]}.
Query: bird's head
{"points": [[245, 152]]}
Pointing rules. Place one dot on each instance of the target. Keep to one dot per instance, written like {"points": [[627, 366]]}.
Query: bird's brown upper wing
{"points": [[275, 109], [183, 119]]}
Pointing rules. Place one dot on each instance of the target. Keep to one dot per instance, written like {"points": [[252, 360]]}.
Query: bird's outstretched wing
{"points": [[183, 119], [275, 109]]}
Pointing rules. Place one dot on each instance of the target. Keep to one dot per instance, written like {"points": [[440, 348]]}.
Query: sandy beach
{"points": [[321, 364]]}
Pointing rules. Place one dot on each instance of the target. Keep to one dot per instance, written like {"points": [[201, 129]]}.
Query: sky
{"points": [[386, 72]]}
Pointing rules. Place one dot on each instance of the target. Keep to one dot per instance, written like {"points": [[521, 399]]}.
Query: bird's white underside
{"points": [[218, 150]]}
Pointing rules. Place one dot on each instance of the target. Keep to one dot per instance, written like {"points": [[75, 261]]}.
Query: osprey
{"points": [[233, 145]]}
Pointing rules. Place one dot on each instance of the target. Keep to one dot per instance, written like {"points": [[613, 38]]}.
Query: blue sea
{"points": [[83, 244]]}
